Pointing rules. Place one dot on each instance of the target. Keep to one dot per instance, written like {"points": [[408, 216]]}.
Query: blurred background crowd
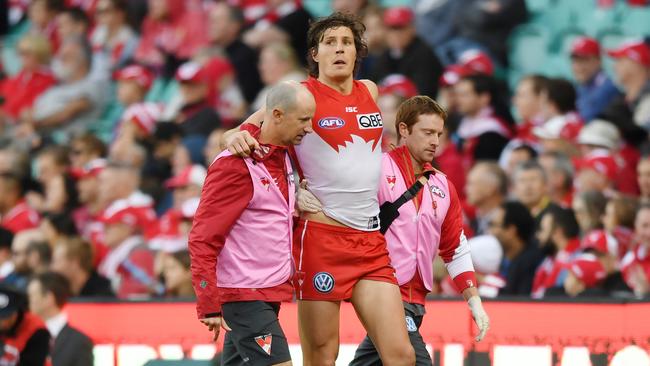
{"points": [[111, 110]]}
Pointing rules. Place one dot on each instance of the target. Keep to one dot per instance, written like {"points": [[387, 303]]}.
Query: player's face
{"points": [[424, 138], [336, 53], [297, 122]]}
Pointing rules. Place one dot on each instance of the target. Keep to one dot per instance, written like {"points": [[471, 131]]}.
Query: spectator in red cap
{"points": [[599, 168], [92, 204], [393, 90], [112, 38], [224, 93], [407, 54], [15, 214], [186, 186], [595, 89], [477, 61], [21, 90], [128, 220], [225, 24], [138, 122], [586, 274], [172, 31], [632, 70], [128, 263], [196, 116]]}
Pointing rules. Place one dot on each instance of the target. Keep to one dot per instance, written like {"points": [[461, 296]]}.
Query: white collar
{"points": [[56, 323]]}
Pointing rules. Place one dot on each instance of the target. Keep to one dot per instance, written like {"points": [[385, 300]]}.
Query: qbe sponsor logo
{"points": [[369, 120]]}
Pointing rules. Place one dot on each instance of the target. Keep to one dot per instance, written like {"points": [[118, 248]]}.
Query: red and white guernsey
{"points": [[341, 160]]}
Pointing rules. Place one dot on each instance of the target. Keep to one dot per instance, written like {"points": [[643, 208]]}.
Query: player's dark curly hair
{"points": [[317, 31]]}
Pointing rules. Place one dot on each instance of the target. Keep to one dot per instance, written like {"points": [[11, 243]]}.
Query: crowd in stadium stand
{"points": [[117, 108]]}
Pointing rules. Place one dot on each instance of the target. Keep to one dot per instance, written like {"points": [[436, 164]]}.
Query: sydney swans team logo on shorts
{"points": [[323, 282], [410, 324], [264, 342]]}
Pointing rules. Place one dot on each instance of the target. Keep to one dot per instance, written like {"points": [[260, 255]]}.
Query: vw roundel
{"points": [[331, 123]]}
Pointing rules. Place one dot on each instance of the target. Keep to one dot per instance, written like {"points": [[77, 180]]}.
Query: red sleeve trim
{"points": [[465, 280], [226, 194], [452, 227]]}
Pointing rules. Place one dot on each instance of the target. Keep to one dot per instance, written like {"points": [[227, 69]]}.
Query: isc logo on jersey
{"points": [[331, 123], [370, 120]]}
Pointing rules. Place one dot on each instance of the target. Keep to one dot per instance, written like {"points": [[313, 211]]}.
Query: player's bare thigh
{"points": [[319, 331]]}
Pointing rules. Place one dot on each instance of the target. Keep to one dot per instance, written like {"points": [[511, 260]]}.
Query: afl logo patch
{"points": [[323, 282], [331, 123], [438, 192]]}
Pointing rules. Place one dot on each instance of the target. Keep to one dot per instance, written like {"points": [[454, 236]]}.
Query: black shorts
{"points": [[367, 355], [256, 337]]}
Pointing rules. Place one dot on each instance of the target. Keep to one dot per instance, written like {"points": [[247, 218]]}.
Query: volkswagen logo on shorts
{"points": [[323, 282], [410, 325]]}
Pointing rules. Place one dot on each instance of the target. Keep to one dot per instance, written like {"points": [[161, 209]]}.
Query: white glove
{"points": [[306, 201], [480, 316]]}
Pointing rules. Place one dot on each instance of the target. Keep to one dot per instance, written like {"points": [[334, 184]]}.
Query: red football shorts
{"points": [[331, 259]]}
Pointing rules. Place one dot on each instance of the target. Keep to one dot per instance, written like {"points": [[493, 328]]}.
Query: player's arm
{"points": [[455, 252], [372, 88], [239, 141], [226, 194]]}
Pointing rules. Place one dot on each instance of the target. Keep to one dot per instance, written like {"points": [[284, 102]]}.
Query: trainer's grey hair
{"points": [[283, 96]]}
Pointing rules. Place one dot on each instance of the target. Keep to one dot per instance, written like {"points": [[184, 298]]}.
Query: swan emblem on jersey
{"points": [[264, 342], [265, 182], [391, 181], [323, 282], [337, 132], [437, 191]]}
